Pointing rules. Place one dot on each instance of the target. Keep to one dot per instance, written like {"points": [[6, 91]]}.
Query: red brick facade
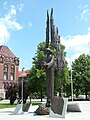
{"points": [[9, 65]]}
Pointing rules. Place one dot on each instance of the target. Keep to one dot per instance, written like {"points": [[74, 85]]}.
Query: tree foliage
{"points": [[62, 82], [25, 89], [81, 75], [12, 92], [37, 77]]}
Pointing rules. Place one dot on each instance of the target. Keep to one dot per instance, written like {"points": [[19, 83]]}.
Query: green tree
{"points": [[12, 92], [62, 82], [81, 75], [37, 77], [25, 89]]}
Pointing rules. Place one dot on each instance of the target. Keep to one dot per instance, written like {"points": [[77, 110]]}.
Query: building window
{"points": [[12, 72], [5, 72]]}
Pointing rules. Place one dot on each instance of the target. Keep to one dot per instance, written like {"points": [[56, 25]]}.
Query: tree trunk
{"points": [[41, 94], [86, 93], [11, 101]]}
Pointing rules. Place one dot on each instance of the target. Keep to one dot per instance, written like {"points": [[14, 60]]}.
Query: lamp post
{"points": [[89, 47], [71, 76], [22, 84]]}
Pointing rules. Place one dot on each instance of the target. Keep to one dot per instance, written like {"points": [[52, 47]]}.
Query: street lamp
{"points": [[22, 83], [71, 76], [89, 47]]}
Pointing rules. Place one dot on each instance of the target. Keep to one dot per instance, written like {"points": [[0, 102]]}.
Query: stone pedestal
{"points": [[58, 107], [73, 107], [25, 107], [18, 110], [42, 110], [21, 108]]}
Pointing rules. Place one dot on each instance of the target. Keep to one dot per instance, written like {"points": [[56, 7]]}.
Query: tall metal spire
{"points": [[47, 30], [52, 25]]}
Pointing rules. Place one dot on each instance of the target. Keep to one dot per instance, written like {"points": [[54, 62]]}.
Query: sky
{"points": [[23, 26]]}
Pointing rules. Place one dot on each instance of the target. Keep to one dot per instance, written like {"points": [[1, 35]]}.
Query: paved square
{"points": [[7, 114]]}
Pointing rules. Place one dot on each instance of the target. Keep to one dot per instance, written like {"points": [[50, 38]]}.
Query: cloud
{"points": [[76, 45], [5, 3], [8, 24], [30, 24], [20, 7], [89, 29], [85, 12], [4, 34]]}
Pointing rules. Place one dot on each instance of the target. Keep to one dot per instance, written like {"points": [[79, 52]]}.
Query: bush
{"points": [[1, 98]]}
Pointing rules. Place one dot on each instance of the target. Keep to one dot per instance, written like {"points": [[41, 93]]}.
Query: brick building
{"points": [[23, 73], [9, 65]]}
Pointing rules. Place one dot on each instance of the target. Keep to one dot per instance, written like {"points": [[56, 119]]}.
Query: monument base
{"points": [[58, 107], [21, 108], [18, 110], [42, 110], [73, 107]]}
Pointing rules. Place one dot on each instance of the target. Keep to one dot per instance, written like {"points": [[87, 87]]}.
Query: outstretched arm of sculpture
{"points": [[50, 63]]}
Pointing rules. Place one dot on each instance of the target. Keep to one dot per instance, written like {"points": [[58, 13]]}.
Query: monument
{"points": [[57, 105], [51, 64]]}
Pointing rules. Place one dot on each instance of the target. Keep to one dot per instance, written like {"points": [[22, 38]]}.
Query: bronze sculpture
{"points": [[51, 64], [49, 67]]}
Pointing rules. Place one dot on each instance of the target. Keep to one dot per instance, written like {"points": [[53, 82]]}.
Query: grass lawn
{"points": [[6, 105], [36, 103]]}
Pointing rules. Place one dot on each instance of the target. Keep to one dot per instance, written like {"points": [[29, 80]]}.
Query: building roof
{"points": [[23, 73], [4, 50]]}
